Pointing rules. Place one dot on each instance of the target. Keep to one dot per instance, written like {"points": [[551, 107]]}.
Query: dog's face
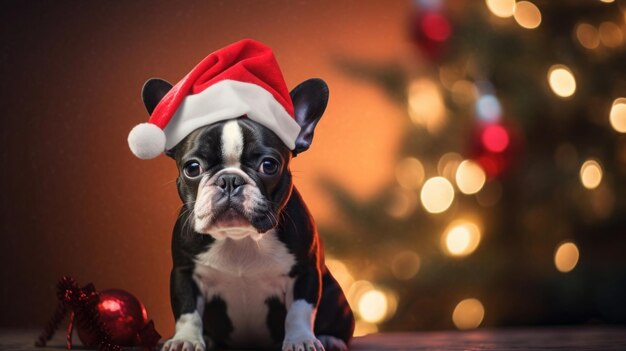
{"points": [[234, 176]]}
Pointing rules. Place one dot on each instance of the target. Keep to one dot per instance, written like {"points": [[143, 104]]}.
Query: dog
{"points": [[248, 263]]}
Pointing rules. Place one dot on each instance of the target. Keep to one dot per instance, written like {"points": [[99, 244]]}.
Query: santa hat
{"points": [[242, 79]]}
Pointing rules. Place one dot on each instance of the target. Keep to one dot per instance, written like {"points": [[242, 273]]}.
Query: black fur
{"points": [[216, 323], [309, 103], [153, 91], [276, 319]]}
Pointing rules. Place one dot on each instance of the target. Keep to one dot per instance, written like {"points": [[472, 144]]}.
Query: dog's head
{"points": [[234, 176]]}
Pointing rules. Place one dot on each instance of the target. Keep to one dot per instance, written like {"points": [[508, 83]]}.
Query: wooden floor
{"points": [[570, 339]]}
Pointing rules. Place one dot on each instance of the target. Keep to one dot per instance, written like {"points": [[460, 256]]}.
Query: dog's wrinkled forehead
{"points": [[231, 143]]}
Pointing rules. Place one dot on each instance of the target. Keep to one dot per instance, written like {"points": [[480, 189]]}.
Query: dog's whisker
{"points": [[188, 213], [285, 213], [169, 182], [271, 217]]}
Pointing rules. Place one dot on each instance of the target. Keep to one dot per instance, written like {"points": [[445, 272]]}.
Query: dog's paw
{"points": [[183, 345], [332, 343], [302, 343]]}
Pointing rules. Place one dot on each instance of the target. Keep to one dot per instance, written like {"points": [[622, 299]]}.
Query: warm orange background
{"points": [[76, 202]]}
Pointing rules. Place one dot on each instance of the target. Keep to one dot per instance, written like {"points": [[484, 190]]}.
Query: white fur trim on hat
{"points": [[146, 141], [229, 99]]}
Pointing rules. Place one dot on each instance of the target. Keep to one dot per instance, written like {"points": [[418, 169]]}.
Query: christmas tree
{"points": [[508, 203]]}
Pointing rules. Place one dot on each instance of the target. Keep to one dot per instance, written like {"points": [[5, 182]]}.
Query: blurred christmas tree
{"points": [[508, 206]]}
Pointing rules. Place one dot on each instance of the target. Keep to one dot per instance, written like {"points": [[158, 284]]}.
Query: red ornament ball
{"points": [[430, 31], [495, 138], [123, 316], [435, 26], [496, 147]]}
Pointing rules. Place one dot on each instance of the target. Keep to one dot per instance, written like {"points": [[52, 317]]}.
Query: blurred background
{"points": [[469, 171]]}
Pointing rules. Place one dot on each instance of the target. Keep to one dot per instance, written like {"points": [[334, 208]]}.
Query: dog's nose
{"points": [[229, 182]]}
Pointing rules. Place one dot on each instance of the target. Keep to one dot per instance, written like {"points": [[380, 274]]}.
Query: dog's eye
{"points": [[269, 166], [192, 169]]}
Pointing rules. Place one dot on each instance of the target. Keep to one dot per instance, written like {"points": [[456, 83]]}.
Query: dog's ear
{"points": [[309, 102], [153, 91]]}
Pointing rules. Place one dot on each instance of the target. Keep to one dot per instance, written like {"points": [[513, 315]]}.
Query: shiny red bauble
{"points": [[123, 316], [496, 147], [430, 31]]}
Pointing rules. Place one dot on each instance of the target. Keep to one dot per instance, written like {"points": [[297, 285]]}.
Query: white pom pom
{"points": [[146, 141]]}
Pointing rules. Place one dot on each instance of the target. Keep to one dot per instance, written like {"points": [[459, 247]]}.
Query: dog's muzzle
{"points": [[229, 204]]}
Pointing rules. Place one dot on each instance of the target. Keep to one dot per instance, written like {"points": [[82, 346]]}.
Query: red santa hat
{"points": [[242, 79]]}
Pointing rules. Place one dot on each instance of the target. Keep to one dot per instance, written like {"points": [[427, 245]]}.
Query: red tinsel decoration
{"points": [[83, 303]]}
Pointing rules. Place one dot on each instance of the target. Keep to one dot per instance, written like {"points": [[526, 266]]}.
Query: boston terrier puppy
{"points": [[249, 266]]}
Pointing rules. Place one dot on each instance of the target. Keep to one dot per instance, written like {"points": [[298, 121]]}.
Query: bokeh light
{"points": [[561, 80], [566, 257], [357, 289], [468, 314], [431, 5], [591, 174], [527, 15], [402, 203], [426, 105], [447, 165], [610, 34], [410, 173], [488, 108], [501, 8], [587, 35], [405, 265], [373, 306], [464, 92], [617, 116], [495, 138], [437, 195], [470, 177], [461, 238], [450, 73]]}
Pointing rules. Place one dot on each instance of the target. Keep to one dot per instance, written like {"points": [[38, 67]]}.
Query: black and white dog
{"points": [[249, 266]]}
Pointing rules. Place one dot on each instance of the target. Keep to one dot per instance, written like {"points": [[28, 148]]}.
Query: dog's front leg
{"points": [[301, 309], [188, 307]]}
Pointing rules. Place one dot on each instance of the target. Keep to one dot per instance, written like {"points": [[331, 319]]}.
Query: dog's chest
{"points": [[245, 274]]}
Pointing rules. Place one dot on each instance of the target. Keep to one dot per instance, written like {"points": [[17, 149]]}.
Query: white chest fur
{"points": [[245, 273]]}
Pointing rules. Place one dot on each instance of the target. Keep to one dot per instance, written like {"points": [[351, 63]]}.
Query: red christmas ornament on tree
{"points": [[495, 147], [430, 31]]}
